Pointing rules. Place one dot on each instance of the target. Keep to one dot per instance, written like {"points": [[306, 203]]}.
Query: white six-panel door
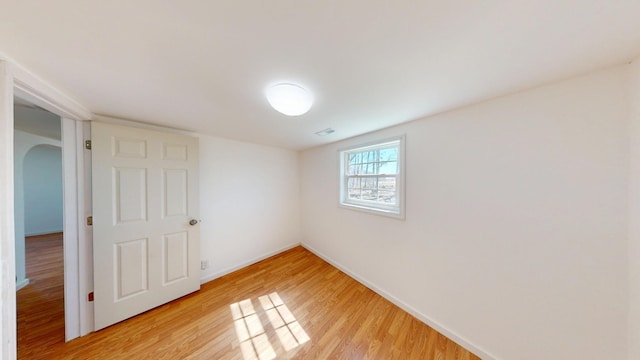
{"points": [[145, 192]]}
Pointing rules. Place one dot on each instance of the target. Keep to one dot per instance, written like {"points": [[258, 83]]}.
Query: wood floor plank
{"points": [[290, 306]]}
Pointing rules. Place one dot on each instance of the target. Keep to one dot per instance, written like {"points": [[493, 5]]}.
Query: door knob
{"points": [[192, 222]]}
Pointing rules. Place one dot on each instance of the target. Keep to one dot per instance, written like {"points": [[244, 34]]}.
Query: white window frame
{"points": [[395, 211]]}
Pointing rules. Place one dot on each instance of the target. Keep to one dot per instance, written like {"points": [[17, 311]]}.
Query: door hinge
{"points": [[87, 144], [90, 296], [90, 220]]}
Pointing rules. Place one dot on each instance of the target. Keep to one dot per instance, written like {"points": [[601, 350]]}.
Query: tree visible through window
{"points": [[371, 177]]}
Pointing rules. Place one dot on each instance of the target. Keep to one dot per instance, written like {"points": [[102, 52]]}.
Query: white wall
{"points": [[42, 175], [23, 142], [249, 203], [515, 238], [37, 121], [634, 211]]}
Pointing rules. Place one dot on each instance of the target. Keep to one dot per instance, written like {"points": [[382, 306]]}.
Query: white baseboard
{"points": [[44, 232], [245, 264], [21, 284], [433, 324]]}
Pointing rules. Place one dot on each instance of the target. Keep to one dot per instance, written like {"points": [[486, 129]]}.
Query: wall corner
{"points": [[633, 335]]}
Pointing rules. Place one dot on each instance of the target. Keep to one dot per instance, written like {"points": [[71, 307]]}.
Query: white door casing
{"points": [[145, 192]]}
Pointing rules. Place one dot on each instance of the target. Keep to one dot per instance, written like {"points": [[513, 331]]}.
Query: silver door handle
{"points": [[193, 222]]}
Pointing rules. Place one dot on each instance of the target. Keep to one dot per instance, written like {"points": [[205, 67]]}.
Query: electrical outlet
{"points": [[204, 264]]}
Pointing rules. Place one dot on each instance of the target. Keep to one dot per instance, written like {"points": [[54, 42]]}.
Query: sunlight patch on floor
{"points": [[254, 341]]}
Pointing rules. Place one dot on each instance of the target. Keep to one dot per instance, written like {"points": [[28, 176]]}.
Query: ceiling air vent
{"points": [[326, 131]]}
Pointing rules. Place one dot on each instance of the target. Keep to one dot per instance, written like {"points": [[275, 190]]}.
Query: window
{"points": [[371, 177]]}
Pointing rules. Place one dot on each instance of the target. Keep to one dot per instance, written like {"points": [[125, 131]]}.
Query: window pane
{"points": [[354, 158], [387, 183], [369, 194], [390, 154], [387, 190], [354, 183], [354, 194], [370, 156], [369, 183], [389, 167], [387, 197]]}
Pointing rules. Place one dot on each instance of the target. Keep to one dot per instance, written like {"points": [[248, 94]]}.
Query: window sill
{"points": [[374, 211]]}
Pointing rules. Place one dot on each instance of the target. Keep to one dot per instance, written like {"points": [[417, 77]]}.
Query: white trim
{"points": [[245, 264], [373, 211], [142, 125], [44, 232], [7, 230], [30, 87], [460, 340], [42, 94], [21, 284], [85, 232], [70, 233]]}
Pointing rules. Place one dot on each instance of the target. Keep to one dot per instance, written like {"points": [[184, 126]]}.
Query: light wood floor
{"points": [[291, 306], [40, 305]]}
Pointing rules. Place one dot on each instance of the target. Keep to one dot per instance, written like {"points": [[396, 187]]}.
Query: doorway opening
{"points": [[39, 222]]}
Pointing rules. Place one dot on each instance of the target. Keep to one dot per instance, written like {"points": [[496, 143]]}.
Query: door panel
{"points": [[131, 265], [175, 191], [176, 257], [130, 195], [145, 191]]}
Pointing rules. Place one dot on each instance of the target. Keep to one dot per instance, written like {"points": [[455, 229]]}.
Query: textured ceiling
{"points": [[204, 65]]}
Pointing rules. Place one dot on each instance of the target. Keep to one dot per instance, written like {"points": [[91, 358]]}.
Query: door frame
{"points": [[17, 80]]}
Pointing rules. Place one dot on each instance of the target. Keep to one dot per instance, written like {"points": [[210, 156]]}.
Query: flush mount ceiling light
{"points": [[289, 99]]}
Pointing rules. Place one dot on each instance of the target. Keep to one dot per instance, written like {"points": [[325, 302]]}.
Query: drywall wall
{"points": [[42, 178], [249, 201], [515, 238], [23, 142], [634, 210], [36, 121]]}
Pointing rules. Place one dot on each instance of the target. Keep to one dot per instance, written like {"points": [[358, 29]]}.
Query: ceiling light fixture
{"points": [[289, 99]]}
